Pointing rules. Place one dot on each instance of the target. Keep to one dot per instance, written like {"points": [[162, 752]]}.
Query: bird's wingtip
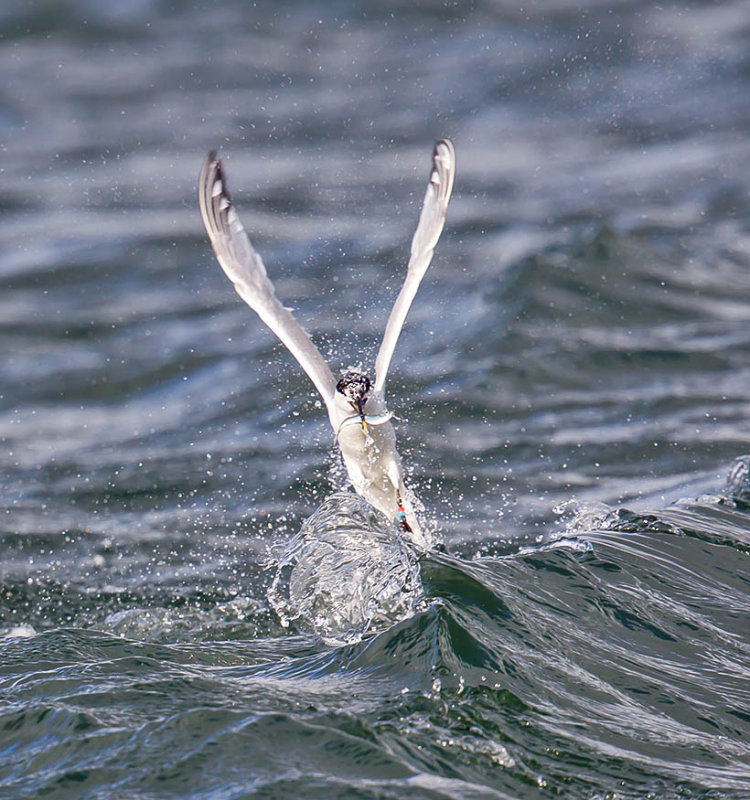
{"points": [[443, 144]]}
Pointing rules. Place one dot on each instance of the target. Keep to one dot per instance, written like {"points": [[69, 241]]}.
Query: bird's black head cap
{"points": [[355, 387]]}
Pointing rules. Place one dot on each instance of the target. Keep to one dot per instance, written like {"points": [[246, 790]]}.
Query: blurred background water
{"points": [[571, 390]]}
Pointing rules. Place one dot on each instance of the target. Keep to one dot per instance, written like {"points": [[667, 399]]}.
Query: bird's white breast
{"points": [[370, 456]]}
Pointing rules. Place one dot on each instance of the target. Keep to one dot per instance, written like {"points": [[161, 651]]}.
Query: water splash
{"points": [[346, 573]]}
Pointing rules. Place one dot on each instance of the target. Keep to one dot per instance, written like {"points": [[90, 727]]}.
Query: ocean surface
{"points": [[192, 603]]}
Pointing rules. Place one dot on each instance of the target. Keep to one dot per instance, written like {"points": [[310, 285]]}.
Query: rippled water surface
{"points": [[191, 603]]}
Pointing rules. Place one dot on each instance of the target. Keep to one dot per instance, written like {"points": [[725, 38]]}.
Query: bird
{"points": [[355, 403]]}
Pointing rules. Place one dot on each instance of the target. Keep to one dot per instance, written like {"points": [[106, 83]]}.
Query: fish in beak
{"points": [[359, 407]]}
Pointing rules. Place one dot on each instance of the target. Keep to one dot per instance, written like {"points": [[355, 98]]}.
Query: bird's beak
{"points": [[359, 407]]}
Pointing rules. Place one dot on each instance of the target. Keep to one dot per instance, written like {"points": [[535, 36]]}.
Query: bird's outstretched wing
{"points": [[428, 232], [244, 267]]}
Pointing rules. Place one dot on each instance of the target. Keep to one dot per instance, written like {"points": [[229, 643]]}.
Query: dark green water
{"points": [[188, 606]]}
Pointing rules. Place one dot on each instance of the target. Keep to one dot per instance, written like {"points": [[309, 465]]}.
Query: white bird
{"points": [[356, 406]]}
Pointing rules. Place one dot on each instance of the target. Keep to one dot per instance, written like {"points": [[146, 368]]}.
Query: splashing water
{"points": [[346, 573]]}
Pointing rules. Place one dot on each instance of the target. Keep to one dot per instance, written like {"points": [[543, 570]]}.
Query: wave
{"points": [[608, 660]]}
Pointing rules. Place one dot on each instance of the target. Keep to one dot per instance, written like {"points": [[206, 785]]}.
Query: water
{"points": [[189, 607]]}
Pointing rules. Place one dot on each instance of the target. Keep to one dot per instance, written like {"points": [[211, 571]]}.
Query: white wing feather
{"points": [[429, 228], [244, 267]]}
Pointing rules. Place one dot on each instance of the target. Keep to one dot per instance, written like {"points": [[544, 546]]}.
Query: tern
{"points": [[355, 403]]}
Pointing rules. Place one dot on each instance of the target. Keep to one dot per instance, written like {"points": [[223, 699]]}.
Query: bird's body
{"points": [[356, 406], [373, 463]]}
